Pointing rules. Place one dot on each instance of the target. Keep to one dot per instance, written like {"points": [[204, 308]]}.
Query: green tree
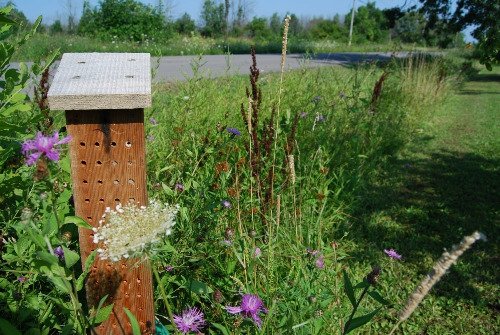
{"points": [[126, 19], [258, 28], [481, 14], [275, 24], [328, 29], [410, 28], [56, 27], [213, 17], [185, 24], [369, 23]]}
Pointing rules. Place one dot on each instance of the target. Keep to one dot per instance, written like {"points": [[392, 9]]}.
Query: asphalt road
{"points": [[176, 68]]}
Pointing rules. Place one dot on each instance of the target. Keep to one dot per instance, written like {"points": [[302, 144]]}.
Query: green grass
{"points": [[443, 186], [43, 44]]}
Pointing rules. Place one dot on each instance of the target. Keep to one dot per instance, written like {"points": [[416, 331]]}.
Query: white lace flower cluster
{"points": [[129, 230]]}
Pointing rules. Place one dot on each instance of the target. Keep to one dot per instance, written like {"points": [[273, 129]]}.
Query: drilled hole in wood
{"points": [[98, 163], [128, 144], [89, 218], [85, 181], [97, 144], [99, 182], [94, 267], [76, 77], [101, 200], [84, 163], [87, 201], [114, 163], [131, 200], [113, 144], [129, 163], [117, 200], [116, 182], [82, 144], [139, 295], [138, 280], [131, 181]]}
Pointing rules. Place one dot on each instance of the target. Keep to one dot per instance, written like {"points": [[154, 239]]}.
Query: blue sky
{"points": [[52, 10]]}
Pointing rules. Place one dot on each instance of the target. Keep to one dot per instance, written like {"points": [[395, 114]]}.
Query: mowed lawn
{"points": [[444, 186]]}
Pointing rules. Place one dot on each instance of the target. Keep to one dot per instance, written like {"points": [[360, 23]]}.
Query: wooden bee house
{"points": [[104, 96]]}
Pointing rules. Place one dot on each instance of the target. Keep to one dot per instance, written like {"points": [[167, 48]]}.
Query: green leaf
{"points": [[102, 314], [88, 263], [79, 222], [200, 288], [136, 330], [70, 257], [7, 328], [221, 328], [362, 284], [359, 321], [348, 289], [377, 297]]}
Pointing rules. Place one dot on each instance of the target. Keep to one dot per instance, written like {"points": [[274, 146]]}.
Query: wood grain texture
{"points": [[108, 167]]}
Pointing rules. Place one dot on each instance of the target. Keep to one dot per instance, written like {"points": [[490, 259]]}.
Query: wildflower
{"points": [[186, 98], [191, 320], [229, 233], [218, 296], [251, 306], [319, 118], [153, 121], [130, 231], [151, 138], [42, 145], [303, 115], [393, 254], [257, 252], [342, 95], [59, 252], [226, 204], [21, 279], [179, 187], [233, 131], [169, 268], [320, 262], [372, 277], [227, 242], [316, 99]]}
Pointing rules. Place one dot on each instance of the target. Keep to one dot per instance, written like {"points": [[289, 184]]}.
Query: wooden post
{"points": [[103, 95]]}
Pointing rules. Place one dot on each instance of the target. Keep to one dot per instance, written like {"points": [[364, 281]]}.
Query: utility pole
{"points": [[352, 21]]}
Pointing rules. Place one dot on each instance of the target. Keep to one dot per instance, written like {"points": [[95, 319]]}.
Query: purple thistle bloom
{"points": [[59, 252], [179, 187], [21, 279], [257, 252], [233, 131], [251, 306], [169, 268], [393, 254], [319, 118], [320, 262], [191, 320], [34, 149], [153, 121], [226, 204]]}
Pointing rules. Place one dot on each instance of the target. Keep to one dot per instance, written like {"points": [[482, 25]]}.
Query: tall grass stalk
{"points": [[438, 271]]}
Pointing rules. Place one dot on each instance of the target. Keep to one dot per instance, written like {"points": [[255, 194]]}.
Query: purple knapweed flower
{"points": [[21, 279], [233, 131], [153, 121], [320, 262], [393, 254], [169, 268], [191, 320], [151, 138], [312, 252], [251, 306], [257, 252], [179, 187], [42, 145], [227, 242], [226, 204], [303, 115], [59, 252]]}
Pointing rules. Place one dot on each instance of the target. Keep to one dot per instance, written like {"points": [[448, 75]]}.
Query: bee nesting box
{"points": [[104, 96]]}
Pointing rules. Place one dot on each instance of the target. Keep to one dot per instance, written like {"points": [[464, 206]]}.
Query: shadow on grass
{"points": [[438, 199]]}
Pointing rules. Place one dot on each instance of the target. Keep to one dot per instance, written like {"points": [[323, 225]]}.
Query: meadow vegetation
{"points": [[290, 186]]}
